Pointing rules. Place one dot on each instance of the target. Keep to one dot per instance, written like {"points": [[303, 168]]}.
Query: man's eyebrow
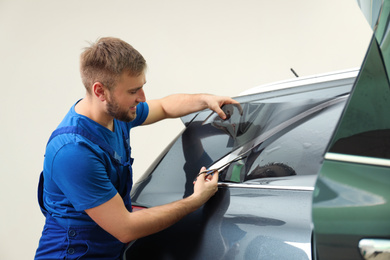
{"points": [[136, 88]]}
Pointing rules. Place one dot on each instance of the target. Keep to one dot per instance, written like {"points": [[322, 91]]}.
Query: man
{"points": [[87, 176]]}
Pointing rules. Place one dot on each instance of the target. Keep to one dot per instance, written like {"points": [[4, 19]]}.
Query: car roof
{"points": [[348, 75]]}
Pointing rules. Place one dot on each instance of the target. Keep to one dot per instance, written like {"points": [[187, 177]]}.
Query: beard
{"points": [[118, 113]]}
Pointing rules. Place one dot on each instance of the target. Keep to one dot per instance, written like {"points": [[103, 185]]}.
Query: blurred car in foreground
{"points": [[314, 179], [351, 203]]}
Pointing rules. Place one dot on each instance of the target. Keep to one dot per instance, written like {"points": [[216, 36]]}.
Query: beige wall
{"points": [[219, 47]]}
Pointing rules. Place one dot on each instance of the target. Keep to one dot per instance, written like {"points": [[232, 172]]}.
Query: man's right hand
{"points": [[205, 186]]}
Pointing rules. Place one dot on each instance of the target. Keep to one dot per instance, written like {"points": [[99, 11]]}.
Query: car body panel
{"points": [[350, 207], [237, 223]]}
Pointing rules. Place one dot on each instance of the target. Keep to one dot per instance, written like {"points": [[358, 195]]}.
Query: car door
{"points": [[351, 200]]}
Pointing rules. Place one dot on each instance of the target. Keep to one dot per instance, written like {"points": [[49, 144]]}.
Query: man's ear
{"points": [[99, 91]]}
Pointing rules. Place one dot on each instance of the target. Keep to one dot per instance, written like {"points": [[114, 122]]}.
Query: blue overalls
{"points": [[83, 242]]}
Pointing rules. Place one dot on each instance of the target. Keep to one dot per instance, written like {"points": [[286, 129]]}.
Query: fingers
{"points": [[217, 102], [209, 177], [212, 177], [206, 176], [199, 174], [206, 185], [220, 112]]}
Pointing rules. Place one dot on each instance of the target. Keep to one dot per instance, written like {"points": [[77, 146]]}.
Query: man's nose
{"points": [[141, 96]]}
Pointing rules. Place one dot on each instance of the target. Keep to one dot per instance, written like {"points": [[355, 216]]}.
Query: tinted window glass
{"points": [[365, 126], [286, 130], [287, 139]]}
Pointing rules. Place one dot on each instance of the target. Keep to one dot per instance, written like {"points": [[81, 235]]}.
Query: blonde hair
{"points": [[106, 59]]}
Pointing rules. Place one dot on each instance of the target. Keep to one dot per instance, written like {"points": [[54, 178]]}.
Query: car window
{"points": [[279, 138], [365, 126], [284, 132]]}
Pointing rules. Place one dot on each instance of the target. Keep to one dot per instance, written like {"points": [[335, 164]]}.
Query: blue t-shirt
{"points": [[78, 174]]}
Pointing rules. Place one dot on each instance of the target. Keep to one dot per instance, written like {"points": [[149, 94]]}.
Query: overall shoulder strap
{"points": [[80, 131]]}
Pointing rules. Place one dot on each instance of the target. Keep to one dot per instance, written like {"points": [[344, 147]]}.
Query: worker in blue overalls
{"points": [[87, 176]]}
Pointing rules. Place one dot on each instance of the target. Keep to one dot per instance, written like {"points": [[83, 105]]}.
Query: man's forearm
{"points": [[125, 226], [178, 105], [149, 221]]}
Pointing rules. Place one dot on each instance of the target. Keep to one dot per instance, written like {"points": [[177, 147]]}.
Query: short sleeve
{"points": [[81, 175], [142, 114]]}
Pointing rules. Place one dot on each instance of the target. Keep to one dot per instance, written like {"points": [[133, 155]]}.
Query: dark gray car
{"points": [[262, 209]]}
